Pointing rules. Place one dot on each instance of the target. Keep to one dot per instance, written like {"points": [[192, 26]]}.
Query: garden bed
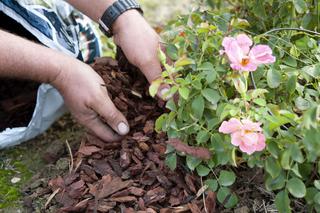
{"points": [[130, 175]]}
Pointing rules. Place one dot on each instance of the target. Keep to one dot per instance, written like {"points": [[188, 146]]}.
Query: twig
{"points": [[203, 198], [77, 166], [51, 197], [264, 207], [252, 80], [71, 157], [291, 28]]}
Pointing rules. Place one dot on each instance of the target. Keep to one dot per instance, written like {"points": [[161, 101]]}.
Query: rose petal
{"points": [[261, 142], [244, 42], [250, 66], [251, 126], [262, 54], [230, 126], [227, 41], [247, 149], [236, 139], [235, 53], [250, 139]]}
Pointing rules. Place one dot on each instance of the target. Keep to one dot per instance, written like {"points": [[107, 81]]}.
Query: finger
{"points": [[115, 119], [102, 130]]}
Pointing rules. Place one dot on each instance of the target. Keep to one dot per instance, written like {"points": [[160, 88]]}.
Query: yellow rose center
{"points": [[244, 61]]}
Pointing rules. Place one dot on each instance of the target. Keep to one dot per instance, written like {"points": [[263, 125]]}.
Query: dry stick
{"points": [[71, 157], [203, 198], [51, 197], [264, 207]]}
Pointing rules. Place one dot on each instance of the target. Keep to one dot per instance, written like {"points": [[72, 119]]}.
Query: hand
{"points": [[89, 102], [140, 44]]}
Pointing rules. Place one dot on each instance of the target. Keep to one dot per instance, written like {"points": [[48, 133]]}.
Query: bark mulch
{"points": [[130, 175]]}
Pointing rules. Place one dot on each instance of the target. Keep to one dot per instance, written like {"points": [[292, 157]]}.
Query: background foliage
{"points": [[284, 96]]}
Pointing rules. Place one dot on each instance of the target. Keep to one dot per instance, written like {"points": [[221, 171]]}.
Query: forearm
{"points": [[20, 58], [93, 9]]}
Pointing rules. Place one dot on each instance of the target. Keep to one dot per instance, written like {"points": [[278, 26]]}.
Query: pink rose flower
{"points": [[245, 134], [243, 58]]}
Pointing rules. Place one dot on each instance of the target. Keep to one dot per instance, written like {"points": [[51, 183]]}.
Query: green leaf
{"points": [[225, 196], [285, 159], [311, 193], [283, 202], [273, 149], [197, 106], [171, 105], [172, 51], [260, 101], [317, 198], [171, 160], [311, 141], [212, 184], [184, 92], [162, 57], [302, 104], [160, 122], [226, 178], [202, 170], [153, 89], [296, 187], [209, 71], [290, 61], [296, 171], [310, 117], [232, 201], [223, 193], [273, 78], [192, 162], [317, 184], [300, 6], [296, 153], [291, 84], [184, 62], [202, 137], [211, 95], [272, 167], [275, 183]]}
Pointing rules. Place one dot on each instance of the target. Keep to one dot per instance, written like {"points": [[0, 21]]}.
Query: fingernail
{"points": [[123, 128], [164, 93]]}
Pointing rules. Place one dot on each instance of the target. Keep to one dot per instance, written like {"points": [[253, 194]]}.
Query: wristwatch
{"points": [[113, 12]]}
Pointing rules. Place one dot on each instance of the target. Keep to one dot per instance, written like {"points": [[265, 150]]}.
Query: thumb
{"points": [[114, 118]]}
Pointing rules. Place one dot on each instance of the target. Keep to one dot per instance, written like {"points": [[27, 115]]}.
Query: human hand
{"points": [[88, 101], [140, 44]]}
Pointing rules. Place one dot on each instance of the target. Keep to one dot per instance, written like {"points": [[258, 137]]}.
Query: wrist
{"points": [[124, 19], [118, 10], [64, 71]]}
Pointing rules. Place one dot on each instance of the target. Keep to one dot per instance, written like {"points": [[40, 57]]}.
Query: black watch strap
{"points": [[113, 12]]}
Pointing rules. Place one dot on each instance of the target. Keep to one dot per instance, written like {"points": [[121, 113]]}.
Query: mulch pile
{"points": [[127, 176]]}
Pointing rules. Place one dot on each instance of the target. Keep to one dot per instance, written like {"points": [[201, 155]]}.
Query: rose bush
{"points": [[248, 85]]}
